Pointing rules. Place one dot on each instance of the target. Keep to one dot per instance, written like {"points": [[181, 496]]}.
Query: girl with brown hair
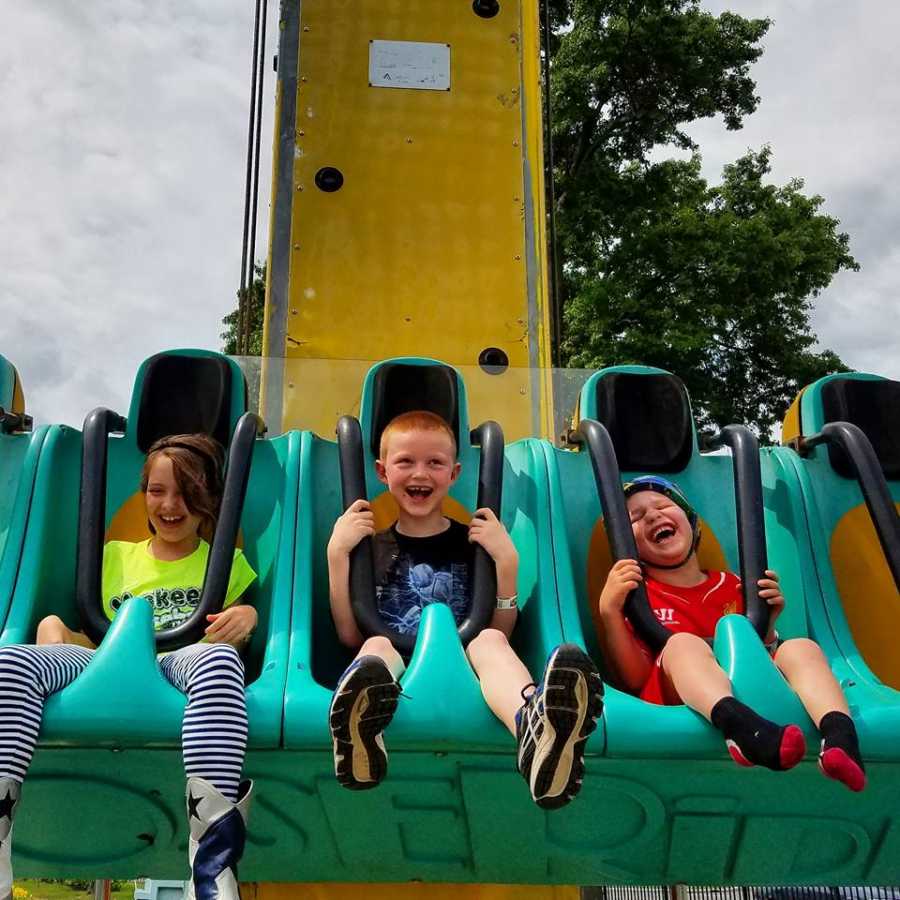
{"points": [[182, 486]]}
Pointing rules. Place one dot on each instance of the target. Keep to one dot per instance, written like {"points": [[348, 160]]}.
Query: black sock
{"points": [[845, 763], [837, 730], [755, 741]]}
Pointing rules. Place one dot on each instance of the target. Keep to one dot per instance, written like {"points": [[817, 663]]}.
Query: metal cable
{"points": [[242, 297], [555, 275], [248, 308]]}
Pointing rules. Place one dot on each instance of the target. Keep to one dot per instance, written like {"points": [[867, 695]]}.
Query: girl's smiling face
{"points": [[661, 528], [166, 509]]}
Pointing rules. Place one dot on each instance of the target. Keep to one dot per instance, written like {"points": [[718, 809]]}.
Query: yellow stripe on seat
{"points": [[868, 594]]}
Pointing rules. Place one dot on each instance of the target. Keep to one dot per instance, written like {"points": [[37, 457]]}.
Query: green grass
{"points": [[54, 890]]}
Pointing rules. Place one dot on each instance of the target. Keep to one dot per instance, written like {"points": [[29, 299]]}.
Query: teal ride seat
{"points": [[648, 414], [23, 480], [125, 664], [110, 742], [669, 805], [452, 796], [856, 617], [442, 706]]}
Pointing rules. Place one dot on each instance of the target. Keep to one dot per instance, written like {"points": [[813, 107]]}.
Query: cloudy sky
{"points": [[831, 111], [122, 159], [122, 152]]}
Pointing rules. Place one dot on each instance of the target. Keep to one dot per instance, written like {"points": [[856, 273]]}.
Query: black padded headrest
{"points": [[873, 406], [649, 420], [185, 395], [401, 387]]}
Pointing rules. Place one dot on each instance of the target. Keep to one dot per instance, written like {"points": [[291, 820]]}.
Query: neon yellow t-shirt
{"points": [[172, 587]]}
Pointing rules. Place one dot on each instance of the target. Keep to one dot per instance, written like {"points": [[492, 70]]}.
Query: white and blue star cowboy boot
{"points": [[9, 800], [218, 828]]}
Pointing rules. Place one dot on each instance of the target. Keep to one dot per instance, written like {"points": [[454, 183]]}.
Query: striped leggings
{"points": [[213, 733]]}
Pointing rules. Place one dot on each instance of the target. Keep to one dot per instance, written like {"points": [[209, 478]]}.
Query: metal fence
{"points": [[761, 892]]}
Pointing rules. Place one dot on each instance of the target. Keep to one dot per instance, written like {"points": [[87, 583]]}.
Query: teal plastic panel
{"points": [[636, 728], [122, 700], [441, 706], [466, 817], [19, 454], [8, 379], [45, 578]]}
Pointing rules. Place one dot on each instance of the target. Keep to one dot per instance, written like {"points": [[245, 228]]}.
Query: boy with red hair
{"points": [[425, 558]]}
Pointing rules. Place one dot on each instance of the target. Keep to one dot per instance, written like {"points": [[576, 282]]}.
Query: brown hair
{"points": [[416, 420], [197, 461]]}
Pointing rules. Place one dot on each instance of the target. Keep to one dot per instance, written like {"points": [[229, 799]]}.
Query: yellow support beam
{"points": [[433, 245]]}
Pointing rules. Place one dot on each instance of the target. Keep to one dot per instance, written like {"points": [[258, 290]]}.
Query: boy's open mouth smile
{"points": [[419, 492], [662, 533]]}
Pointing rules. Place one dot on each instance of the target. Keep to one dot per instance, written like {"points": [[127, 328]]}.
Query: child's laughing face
{"points": [[418, 468], [661, 529], [167, 511]]}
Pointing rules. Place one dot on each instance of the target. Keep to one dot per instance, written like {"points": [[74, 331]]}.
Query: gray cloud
{"points": [[830, 110], [121, 171], [122, 159]]}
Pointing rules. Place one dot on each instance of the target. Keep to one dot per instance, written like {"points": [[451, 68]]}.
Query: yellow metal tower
{"points": [[408, 205]]}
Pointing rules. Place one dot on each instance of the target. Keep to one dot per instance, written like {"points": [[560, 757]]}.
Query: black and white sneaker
{"points": [[554, 724], [362, 707]]}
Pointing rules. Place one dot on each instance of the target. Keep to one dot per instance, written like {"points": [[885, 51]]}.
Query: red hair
{"points": [[415, 420]]}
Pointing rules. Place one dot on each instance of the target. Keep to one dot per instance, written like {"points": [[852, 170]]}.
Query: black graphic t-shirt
{"points": [[411, 572]]}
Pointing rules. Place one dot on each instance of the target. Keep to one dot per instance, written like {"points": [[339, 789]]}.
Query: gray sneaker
{"points": [[554, 723], [362, 707]]}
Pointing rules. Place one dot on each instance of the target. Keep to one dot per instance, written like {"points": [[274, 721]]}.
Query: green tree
{"points": [[255, 295], [713, 283]]}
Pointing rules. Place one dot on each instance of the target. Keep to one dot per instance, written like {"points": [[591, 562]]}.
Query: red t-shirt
{"points": [[692, 609]]}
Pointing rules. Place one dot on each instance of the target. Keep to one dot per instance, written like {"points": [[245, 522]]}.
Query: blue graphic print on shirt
{"points": [[413, 572]]}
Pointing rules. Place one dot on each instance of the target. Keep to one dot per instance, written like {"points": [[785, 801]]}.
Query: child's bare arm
{"points": [[487, 530], [623, 653], [504, 620], [339, 594], [355, 524]]}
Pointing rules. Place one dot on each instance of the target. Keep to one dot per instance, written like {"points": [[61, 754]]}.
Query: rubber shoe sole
{"points": [[362, 708], [573, 702]]}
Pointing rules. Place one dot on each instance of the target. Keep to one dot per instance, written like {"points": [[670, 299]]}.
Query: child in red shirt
{"points": [[689, 602]]}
